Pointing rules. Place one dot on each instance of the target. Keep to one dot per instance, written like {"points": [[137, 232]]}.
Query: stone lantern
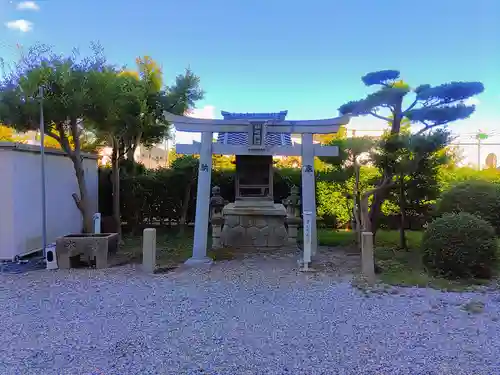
{"points": [[217, 220], [293, 220]]}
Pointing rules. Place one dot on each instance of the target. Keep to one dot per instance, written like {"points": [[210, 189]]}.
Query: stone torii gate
{"points": [[257, 126]]}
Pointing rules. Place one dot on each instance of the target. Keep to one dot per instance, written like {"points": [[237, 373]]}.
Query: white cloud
{"points": [[207, 112], [20, 25], [28, 5], [472, 101], [366, 126]]}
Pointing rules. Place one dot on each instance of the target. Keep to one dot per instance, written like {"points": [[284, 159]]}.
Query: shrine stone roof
{"points": [[241, 139]]}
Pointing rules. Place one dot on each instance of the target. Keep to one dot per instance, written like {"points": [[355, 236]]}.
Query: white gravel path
{"points": [[235, 319]]}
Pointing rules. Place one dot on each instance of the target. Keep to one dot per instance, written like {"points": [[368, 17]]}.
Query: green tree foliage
{"points": [[136, 114], [6, 134], [178, 98], [119, 106], [477, 197], [335, 215], [460, 246], [450, 176], [66, 102], [289, 162], [223, 162], [431, 107], [414, 161], [326, 139], [185, 176], [353, 154], [334, 200]]}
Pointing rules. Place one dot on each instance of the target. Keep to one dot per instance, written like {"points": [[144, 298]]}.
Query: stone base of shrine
{"points": [[258, 224]]}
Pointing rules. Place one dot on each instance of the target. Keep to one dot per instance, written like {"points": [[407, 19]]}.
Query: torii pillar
{"points": [[307, 150], [308, 195], [202, 203]]}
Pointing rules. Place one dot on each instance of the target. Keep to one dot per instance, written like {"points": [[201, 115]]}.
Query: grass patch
{"points": [[336, 238], [405, 268], [399, 267], [225, 253], [172, 247], [389, 238]]}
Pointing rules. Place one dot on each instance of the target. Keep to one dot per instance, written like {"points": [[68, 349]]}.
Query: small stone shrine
{"points": [[254, 219]]}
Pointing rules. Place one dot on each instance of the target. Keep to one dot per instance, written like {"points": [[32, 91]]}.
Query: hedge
{"points": [[460, 245], [158, 195], [480, 198]]}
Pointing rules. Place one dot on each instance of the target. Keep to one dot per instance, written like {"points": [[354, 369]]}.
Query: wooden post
{"points": [[149, 250], [202, 203]]}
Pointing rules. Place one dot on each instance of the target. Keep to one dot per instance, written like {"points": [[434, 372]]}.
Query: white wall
{"points": [[21, 201], [6, 205]]}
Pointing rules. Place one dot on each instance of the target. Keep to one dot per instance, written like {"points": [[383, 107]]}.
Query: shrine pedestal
{"points": [[254, 223]]}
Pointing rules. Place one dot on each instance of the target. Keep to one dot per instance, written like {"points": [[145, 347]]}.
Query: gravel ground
{"points": [[251, 318]]}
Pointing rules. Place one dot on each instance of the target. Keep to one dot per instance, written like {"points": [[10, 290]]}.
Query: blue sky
{"points": [[269, 55]]}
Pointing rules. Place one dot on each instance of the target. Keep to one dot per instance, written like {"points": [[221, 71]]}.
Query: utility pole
{"points": [[167, 152], [42, 155], [480, 136]]}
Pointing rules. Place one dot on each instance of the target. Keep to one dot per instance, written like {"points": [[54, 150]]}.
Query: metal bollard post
{"points": [[97, 222]]}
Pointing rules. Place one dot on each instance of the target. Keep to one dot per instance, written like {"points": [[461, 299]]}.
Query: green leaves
{"points": [[183, 95], [478, 197], [460, 245], [65, 89]]}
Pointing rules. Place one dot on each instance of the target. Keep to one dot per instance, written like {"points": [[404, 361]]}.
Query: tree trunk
{"points": [[115, 172], [380, 196], [375, 209], [115, 182], [130, 154], [358, 213], [402, 211], [365, 217], [356, 206], [366, 212], [134, 143], [82, 201]]}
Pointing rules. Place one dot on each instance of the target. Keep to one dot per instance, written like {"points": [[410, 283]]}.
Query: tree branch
{"points": [[125, 151], [427, 127], [64, 139], [365, 219], [379, 117], [176, 103], [77, 200], [76, 134], [51, 134], [412, 105]]}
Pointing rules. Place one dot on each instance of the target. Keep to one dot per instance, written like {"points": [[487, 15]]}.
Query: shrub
{"points": [[460, 246], [480, 198], [332, 204]]}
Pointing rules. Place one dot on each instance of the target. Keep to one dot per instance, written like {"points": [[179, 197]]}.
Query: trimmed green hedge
{"points": [[480, 198], [159, 194], [460, 245]]}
